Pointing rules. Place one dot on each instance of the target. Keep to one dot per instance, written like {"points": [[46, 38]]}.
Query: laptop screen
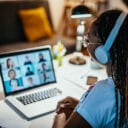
{"points": [[22, 70]]}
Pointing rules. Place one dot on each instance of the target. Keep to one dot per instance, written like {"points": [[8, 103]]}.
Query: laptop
{"points": [[29, 81]]}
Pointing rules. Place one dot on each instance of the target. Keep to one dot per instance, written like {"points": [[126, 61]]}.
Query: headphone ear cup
{"points": [[102, 55]]}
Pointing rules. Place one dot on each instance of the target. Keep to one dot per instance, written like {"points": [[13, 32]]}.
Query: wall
{"points": [[57, 9], [118, 4]]}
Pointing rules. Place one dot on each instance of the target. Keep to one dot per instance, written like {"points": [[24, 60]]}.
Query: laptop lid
{"points": [[26, 69]]}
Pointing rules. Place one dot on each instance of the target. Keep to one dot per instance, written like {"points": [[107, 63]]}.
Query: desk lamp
{"points": [[80, 12]]}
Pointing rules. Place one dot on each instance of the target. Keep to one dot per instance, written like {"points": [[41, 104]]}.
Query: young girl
{"points": [[106, 104]]}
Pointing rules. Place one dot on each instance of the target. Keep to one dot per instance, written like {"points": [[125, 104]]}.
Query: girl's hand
{"points": [[66, 106]]}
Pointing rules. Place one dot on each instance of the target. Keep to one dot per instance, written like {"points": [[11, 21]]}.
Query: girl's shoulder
{"points": [[104, 84]]}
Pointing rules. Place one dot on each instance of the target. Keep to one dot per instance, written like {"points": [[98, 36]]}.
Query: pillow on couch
{"points": [[35, 23]]}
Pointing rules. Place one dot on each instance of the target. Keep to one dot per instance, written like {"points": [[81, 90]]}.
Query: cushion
{"points": [[35, 23]]}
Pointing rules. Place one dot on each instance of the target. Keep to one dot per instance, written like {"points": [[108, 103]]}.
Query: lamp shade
{"points": [[81, 12]]}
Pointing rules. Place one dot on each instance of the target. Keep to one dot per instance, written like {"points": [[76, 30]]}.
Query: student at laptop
{"points": [[106, 104]]}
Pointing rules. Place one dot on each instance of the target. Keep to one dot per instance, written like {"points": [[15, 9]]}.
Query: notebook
{"points": [[29, 81]]}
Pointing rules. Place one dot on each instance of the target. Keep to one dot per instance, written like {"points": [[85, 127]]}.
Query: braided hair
{"points": [[125, 2], [119, 61]]}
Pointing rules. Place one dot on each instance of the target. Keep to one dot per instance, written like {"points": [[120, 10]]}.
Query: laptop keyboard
{"points": [[38, 96]]}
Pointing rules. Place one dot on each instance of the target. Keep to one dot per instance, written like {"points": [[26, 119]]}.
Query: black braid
{"points": [[125, 2], [119, 57]]}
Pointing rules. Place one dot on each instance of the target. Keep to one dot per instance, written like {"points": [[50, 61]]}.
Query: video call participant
{"points": [[43, 65], [41, 57], [29, 72], [106, 104], [9, 63], [27, 60], [45, 75], [30, 81], [13, 80]]}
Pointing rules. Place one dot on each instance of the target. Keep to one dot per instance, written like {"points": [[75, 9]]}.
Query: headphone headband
{"points": [[102, 52], [113, 34]]}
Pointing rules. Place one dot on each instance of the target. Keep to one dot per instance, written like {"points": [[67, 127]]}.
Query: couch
{"points": [[12, 36]]}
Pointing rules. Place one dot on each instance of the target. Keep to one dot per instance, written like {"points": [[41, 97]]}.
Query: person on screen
{"points": [[9, 63], [43, 65], [27, 60], [13, 80], [41, 57], [45, 75], [30, 81], [29, 72], [105, 104]]}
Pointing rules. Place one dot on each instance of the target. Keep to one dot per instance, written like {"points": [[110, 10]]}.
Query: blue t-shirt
{"points": [[98, 106]]}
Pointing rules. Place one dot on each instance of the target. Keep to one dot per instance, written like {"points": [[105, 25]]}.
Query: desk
{"points": [[71, 88], [77, 74]]}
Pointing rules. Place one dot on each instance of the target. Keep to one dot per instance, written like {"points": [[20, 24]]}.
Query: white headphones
{"points": [[102, 53]]}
